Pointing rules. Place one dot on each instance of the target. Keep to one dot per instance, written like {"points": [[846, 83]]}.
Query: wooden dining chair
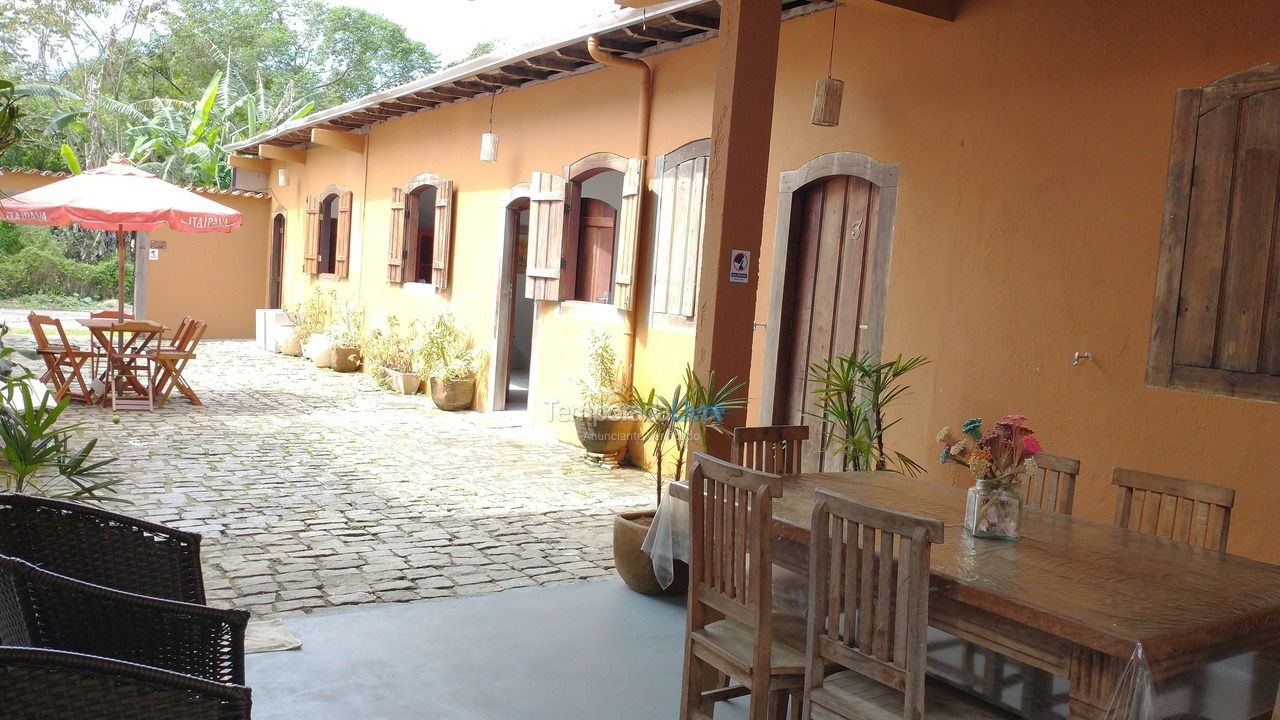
{"points": [[185, 326], [171, 362], [64, 361], [110, 315], [732, 630], [1054, 487], [773, 449], [869, 580], [1173, 508], [131, 364]]}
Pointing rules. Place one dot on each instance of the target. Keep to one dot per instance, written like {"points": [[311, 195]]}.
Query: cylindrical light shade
{"points": [[488, 148], [282, 177], [826, 102]]}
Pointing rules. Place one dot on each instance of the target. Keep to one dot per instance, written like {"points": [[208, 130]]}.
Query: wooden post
{"points": [[742, 122]]}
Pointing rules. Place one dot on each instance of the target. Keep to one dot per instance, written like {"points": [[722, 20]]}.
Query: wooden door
{"points": [[276, 288], [596, 241], [826, 297]]}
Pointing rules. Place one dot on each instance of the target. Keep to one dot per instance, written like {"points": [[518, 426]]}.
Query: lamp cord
{"points": [[492, 99], [835, 14]]}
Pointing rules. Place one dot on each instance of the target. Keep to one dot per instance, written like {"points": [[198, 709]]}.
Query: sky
{"points": [[450, 28]]}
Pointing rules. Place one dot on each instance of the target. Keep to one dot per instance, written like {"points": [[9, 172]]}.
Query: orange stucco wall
{"points": [[219, 278], [1032, 139]]}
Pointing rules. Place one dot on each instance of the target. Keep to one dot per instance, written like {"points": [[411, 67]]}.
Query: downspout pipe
{"points": [[642, 151]]}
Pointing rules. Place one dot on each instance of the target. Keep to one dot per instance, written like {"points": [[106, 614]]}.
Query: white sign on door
{"points": [[739, 265]]}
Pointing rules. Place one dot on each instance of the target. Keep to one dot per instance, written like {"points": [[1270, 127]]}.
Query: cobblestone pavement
{"points": [[315, 489]]}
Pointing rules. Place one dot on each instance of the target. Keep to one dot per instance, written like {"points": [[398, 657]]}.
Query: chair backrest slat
{"points": [[109, 315], [1173, 508], [869, 582], [775, 449], [1054, 487], [731, 521]]}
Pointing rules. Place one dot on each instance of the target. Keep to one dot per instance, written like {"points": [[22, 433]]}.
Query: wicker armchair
{"points": [[102, 547], [42, 609], [49, 684]]}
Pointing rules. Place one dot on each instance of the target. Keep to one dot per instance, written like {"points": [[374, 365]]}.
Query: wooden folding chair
{"points": [[109, 315], [171, 362], [1173, 508], [64, 362], [1054, 487], [732, 630], [869, 580], [131, 364], [185, 327], [773, 449]]}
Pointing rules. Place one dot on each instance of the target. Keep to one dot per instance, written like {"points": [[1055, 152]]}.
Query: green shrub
{"points": [[33, 262]]}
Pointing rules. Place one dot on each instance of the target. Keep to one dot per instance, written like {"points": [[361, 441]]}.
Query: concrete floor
{"points": [[585, 650]]}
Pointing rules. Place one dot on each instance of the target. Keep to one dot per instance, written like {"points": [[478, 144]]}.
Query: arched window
{"points": [[421, 232], [328, 245], [328, 234]]}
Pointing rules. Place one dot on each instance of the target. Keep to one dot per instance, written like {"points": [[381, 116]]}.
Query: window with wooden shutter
{"points": [[395, 248], [342, 246], [628, 234], [681, 183], [546, 236], [443, 240], [311, 246], [1216, 326]]}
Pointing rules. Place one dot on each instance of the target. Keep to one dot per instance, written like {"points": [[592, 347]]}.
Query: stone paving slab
{"points": [[315, 489]]}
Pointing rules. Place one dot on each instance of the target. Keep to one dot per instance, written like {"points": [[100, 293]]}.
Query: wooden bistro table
{"points": [[100, 329], [1072, 597]]}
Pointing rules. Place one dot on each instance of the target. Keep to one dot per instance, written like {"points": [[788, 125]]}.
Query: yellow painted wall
{"points": [[220, 278], [1033, 143]]}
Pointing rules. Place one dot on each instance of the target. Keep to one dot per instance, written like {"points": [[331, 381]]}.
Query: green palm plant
{"points": [[851, 399], [693, 408], [10, 131]]}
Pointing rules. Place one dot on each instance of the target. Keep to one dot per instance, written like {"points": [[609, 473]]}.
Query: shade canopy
{"points": [[122, 197]]}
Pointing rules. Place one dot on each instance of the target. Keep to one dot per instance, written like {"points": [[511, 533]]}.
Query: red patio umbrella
{"points": [[119, 196]]}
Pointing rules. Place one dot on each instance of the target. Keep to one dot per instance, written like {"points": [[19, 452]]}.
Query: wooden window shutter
{"points": [[311, 246], [395, 248], [628, 234], [1216, 325], [342, 251], [682, 194], [443, 239], [546, 236]]}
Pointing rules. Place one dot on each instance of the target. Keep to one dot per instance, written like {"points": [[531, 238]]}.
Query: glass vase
{"points": [[993, 509]]}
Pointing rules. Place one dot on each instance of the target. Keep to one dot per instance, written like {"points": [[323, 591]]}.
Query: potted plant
{"points": [[669, 423], [345, 331], [851, 397], [449, 362], [310, 318], [389, 354], [604, 420]]}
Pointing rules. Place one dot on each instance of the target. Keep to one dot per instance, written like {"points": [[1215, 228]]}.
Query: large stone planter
{"points": [[603, 435], [634, 565], [453, 394], [346, 359]]}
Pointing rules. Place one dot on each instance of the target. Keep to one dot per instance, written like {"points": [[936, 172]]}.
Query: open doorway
{"points": [[275, 289], [514, 356]]}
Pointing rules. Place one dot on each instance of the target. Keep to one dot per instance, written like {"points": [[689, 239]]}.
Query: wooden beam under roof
{"points": [[399, 106], [416, 101], [285, 154], [524, 72], [252, 164], [943, 9], [454, 92], [479, 86], [554, 64], [573, 52], [502, 80], [621, 46], [652, 33], [435, 96], [345, 141], [694, 20]]}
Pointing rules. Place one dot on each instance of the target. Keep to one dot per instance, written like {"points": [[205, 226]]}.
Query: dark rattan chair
{"points": [[45, 610], [40, 684], [102, 547]]}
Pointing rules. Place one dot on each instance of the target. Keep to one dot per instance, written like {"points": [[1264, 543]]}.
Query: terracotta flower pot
{"points": [[405, 383], [346, 358], [634, 565], [291, 347], [603, 435], [453, 394]]}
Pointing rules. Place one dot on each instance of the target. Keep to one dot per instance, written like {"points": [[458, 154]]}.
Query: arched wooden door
{"points": [[828, 295], [596, 241]]}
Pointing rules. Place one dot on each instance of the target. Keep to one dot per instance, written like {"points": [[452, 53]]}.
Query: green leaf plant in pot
{"points": [[346, 330], [389, 355], [670, 424], [603, 420], [449, 362]]}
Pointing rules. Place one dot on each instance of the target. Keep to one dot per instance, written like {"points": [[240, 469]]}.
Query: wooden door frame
{"points": [[885, 177], [504, 305], [275, 264]]}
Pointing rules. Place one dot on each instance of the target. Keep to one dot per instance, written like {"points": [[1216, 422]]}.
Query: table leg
{"points": [[1094, 677]]}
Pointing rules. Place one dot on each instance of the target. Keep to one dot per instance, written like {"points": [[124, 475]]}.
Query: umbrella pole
{"points": [[120, 267]]}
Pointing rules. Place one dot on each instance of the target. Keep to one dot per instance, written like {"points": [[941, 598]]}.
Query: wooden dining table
{"points": [[1072, 597], [100, 330]]}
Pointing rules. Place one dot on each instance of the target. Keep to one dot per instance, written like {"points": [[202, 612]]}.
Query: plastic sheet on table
{"points": [[668, 538]]}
